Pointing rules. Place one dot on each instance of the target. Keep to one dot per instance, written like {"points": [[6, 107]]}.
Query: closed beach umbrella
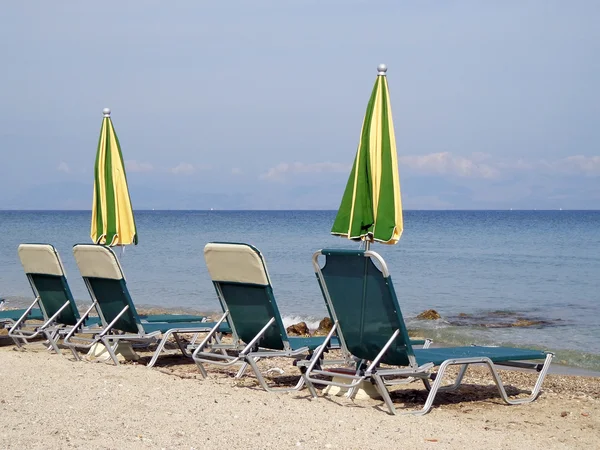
{"points": [[371, 208], [112, 215]]}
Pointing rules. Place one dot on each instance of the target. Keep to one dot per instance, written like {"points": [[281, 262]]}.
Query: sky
{"points": [[259, 105]]}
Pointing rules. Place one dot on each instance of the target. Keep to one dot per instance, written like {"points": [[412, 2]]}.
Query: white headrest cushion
{"points": [[236, 263], [97, 261], [41, 259]]}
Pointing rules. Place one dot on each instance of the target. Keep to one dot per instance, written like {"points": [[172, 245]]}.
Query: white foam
{"points": [[311, 322]]}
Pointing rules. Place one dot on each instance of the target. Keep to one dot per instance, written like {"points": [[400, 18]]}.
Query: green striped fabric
{"points": [[371, 207], [112, 215]]}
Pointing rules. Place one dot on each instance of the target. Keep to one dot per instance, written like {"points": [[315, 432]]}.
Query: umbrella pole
{"points": [[367, 240]]}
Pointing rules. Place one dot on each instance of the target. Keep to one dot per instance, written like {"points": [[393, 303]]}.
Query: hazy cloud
{"points": [[446, 163], [278, 172], [183, 168], [236, 171], [519, 164], [481, 165], [63, 167], [578, 164], [137, 166]]}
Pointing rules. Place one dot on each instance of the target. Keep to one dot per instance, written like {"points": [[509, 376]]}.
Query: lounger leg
{"points": [[201, 369], [184, 352], [158, 350], [194, 338], [536, 389], [214, 333], [436, 386], [163, 342], [161, 346], [52, 340], [304, 372], [310, 386], [426, 384], [440, 375], [15, 330], [18, 342], [315, 361], [434, 390], [457, 382], [252, 361], [243, 369], [351, 394], [110, 348], [75, 353], [385, 394]]}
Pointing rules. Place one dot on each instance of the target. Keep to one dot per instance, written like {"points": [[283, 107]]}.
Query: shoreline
{"points": [[558, 369], [555, 368]]}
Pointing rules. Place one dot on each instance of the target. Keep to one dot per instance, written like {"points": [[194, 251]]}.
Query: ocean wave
{"points": [[312, 322]]}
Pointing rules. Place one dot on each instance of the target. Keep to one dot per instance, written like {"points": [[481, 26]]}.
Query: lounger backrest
{"points": [[363, 300], [104, 277], [240, 276], [46, 274]]}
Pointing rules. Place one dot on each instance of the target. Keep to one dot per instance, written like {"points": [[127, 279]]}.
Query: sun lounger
{"points": [[368, 321], [56, 306], [106, 284], [57, 309], [239, 274], [8, 318]]}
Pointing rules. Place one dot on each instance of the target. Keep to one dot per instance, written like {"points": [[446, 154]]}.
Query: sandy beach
{"points": [[51, 401]]}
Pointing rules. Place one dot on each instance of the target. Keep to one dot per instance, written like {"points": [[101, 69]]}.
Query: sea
{"points": [[516, 278]]}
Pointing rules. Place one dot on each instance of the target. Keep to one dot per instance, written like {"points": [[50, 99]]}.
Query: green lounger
{"points": [[57, 309], [171, 318], [10, 316], [243, 287], [367, 319], [106, 284]]}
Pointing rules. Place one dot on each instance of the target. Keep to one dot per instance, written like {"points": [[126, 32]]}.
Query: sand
{"points": [[51, 401]]}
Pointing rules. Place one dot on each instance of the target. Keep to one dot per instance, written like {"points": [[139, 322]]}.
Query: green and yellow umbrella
{"points": [[371, 208], [112, 215]]}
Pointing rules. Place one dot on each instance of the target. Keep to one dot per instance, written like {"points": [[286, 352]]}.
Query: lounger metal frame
{"points": [[50, 328], [212, 351], [9, 323], [383, 377], [110, 336]]}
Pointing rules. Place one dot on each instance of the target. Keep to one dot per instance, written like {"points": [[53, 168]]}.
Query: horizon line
{"points": [[296, 210]]}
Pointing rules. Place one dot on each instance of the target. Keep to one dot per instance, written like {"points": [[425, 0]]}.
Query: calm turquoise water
{"points": [[481, 270]]}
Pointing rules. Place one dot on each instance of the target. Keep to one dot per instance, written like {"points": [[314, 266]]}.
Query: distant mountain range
{"points": [[420, 192]]}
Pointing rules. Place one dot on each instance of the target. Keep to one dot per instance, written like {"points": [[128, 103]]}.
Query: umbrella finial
{"points": [[381, 69], [106, 112]]}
